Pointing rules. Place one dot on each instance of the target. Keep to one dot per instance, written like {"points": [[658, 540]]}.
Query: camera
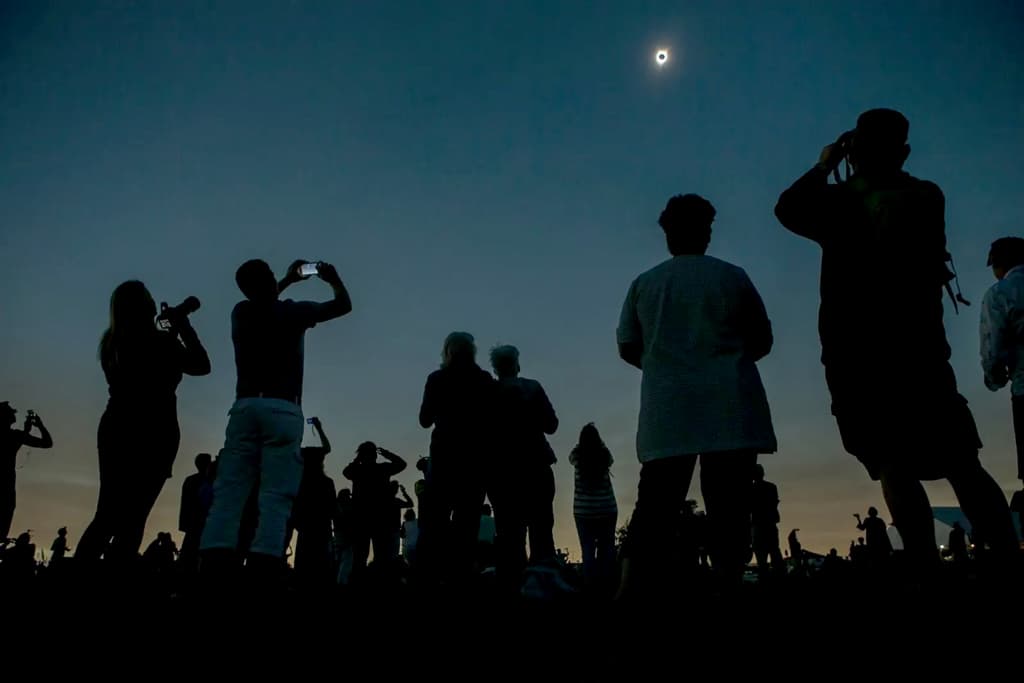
{"points": [[169, 314], [309, 269]]}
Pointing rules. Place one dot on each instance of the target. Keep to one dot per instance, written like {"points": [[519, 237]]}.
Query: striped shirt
{"points": [[594, 496]]}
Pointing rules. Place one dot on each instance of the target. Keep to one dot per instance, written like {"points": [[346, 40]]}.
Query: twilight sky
{"points": [[496, 167]]}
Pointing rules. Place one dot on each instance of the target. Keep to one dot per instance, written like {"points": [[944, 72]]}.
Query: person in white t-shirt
{"points": [[695, 326]]}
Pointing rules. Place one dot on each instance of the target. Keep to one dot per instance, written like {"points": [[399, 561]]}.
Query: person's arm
{"points": [[395, 462], [324, 441], [757, 328], [194, 359], [428, 408], [351, 471], [546, 412], [630, 334], [993, 349], [44, 440], [405, 500], [803, 208]]}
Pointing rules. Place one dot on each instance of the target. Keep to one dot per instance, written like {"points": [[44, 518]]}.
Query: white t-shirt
{"points": [[487, 529], [702, 326]]}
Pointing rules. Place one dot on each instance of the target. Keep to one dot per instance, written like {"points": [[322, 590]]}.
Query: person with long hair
{"points": [[138, 433], [457, 403], [594, 507]]}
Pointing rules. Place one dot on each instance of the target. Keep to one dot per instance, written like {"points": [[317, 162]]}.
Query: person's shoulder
{"points": [[922, 187], [724, 267]]}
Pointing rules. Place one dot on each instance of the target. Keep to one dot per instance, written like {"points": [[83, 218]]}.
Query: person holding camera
{"points": [[884, 348], [138, 434], [11, 440], [265, 425], [314, 513]]}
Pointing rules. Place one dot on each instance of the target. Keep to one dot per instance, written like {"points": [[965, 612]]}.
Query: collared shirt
{"points": [[1002, 333]]}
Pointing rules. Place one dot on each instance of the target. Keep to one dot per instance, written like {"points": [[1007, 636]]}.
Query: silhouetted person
{"points": [[11, 440], [594, 507], [1017, 506], [410, 537], [879, 545], [195, 504], [894, 394], [373, 504], [695, 326], [859, 553], [457, 403], [400, 502], [522, 485], [20, 559], [265, 426], [796, 552], [138, 433], [832, 567], [161, 553], [344, 535], [958, 543], [59, 549], [1002, 331], [764, 520], [314, 514]]}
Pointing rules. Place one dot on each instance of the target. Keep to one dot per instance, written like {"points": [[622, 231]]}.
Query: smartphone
{"points": [[310, 420], [309, 269]]}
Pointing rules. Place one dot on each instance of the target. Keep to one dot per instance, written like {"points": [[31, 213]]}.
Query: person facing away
{"points": [[878, 543], [594, 508], [372, 503], [696, 327], [11, 440], [314, 514], [522, 484], [400, 503], [193, 509], [458, 404], [1002, 331], [894, 394], [262, 445], [796, 550], [138, 433], [764, 520], [60, 548], [410, 537]]}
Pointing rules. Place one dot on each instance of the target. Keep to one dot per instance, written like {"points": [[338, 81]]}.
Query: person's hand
{"points": [[315, 421], [830, 157], [329, 274], [293, 274], [857, 515]]}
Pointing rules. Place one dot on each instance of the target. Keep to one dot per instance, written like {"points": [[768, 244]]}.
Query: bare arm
{"points": [[324, 441], [407, 501], [548, 418], [44, 440], [802, 208], [194, 359], [427, 408], [396, 463]]}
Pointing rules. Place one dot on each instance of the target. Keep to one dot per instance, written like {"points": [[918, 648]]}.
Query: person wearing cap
{"points": [[696, 327], [1002, 331], [11, 440], [883, 269]]}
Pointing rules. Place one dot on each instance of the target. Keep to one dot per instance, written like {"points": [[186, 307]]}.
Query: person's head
{"points": [[132, 309], [23, 539], [459, 348], [860, 540], [879, 142], [63, 531], [345, 496], [485, 510], [758, 473], [590, 438], [313, 458], [8, 415], [256, 280], [410, 515], [872, 512], [366, 452], [1005, 254], [422, 464], [687, 220], [833, 553], [505, 361], [203, 463]]}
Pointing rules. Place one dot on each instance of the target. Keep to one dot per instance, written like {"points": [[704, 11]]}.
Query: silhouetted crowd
{"points": [[694, 325]]}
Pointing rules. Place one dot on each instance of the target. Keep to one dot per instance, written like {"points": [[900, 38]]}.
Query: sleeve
{"points": [[629, 330], [306, 314], [803, 209], [428, 408], [548, 418], [993, 351], [757, 328]]}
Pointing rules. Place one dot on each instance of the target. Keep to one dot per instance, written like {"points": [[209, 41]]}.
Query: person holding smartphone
{"points": [[265, 425], [11, 440]]}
